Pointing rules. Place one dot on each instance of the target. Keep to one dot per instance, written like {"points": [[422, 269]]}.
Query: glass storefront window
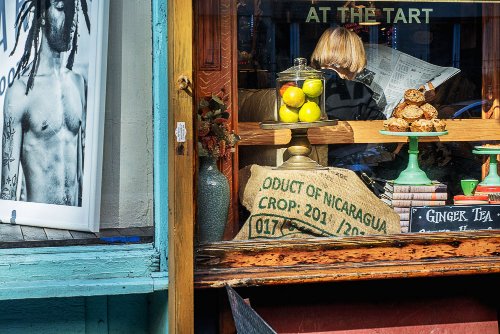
{"points": [[272, 33], [451, 45]]}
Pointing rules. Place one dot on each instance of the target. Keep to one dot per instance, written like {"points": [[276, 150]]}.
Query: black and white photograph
{"points": [[52, 92]]}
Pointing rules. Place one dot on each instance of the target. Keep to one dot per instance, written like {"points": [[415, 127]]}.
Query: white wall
{"points": [[127, 182]]}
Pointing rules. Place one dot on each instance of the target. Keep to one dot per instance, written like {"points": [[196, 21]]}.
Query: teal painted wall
{"points": [[123, 314]]}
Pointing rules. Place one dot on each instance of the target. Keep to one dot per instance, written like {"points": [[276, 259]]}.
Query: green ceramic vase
{"points": [[213, 201]]}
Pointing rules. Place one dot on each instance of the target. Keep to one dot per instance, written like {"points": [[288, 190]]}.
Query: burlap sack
{"points": [[301, 204]]}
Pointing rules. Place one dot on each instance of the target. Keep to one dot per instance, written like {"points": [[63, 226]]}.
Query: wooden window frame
{"points": [[243, 263], [275, 262]]}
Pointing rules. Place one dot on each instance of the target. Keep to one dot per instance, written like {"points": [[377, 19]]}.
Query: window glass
{"points": [[272, 33], [408, 45]]}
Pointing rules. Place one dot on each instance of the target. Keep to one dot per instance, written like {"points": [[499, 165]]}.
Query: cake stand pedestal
{"points": [[492, 179], [299, 147], [413, 175]]}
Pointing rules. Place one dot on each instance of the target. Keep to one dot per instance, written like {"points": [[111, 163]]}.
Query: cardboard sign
{"points": [[323, 203], [454, 218]]}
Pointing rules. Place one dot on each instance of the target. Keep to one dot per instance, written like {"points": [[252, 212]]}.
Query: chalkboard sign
{"points": [[454, 218]]}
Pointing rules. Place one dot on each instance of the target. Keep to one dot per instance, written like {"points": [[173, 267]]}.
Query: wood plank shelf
{"points": [[362, 132], [273, 262]]}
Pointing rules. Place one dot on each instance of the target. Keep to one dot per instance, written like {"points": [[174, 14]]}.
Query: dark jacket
{"points": [[348, 100]]}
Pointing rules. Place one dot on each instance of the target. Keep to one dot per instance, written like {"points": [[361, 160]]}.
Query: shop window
{"points": [[458, 36], [240, 49]]}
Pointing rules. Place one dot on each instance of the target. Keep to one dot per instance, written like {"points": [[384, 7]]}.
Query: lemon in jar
{"points": [[310, 112], [294, 97], [312, 87], [288, 115]]}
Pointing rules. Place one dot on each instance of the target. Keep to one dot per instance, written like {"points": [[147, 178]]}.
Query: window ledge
{"points": [[293, 261], [80, 271], [79, 288]]}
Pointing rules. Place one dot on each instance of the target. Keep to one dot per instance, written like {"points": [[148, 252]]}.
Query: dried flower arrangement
{"points": [[215, 139]]}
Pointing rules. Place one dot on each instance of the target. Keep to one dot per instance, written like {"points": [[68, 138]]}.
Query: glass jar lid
{"points": [[300, 71]]}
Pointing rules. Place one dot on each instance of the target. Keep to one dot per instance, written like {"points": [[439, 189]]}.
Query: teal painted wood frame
{"points": [[105, 270], [160, 119]]}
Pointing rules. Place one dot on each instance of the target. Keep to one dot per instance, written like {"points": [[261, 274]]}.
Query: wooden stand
{"points": [[299, 147]]}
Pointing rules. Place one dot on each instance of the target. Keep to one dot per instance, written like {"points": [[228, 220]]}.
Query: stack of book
{"points": [[493, 193], [470, 200], [402, 197]]}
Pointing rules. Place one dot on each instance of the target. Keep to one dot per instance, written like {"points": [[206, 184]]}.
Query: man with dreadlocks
{"points": [[45, 108]]}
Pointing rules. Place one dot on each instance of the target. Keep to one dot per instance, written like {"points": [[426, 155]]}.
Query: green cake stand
{"points": [[413, 175], [492, 179]]}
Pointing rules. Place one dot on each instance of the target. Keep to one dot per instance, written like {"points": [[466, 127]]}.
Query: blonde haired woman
{"points": [[340, 55], [341, 50]]}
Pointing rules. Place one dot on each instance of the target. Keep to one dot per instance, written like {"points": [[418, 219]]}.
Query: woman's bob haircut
{"points": [[339, 48]]}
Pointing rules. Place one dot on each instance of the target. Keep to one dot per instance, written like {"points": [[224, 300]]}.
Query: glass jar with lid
{"points": [[300, 94]]}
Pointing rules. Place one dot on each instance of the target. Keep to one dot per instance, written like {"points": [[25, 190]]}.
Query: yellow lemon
{"points": [[294, 97], [309, 112], [288, 115], [313, 87]]}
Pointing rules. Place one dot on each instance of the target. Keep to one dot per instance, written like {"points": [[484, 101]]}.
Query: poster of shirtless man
{"points": [[44, 64]]}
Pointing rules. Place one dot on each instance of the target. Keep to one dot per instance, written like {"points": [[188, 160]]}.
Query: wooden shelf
{"points": [[353, 132], [273, 262]]}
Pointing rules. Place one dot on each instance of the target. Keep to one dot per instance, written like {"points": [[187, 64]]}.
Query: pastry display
{"points": [[429, 111], [415, 114], [398, 110], [438, 124], [396, 124], [422, 125], [414, 97], [411, 113], [386, 123]]}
